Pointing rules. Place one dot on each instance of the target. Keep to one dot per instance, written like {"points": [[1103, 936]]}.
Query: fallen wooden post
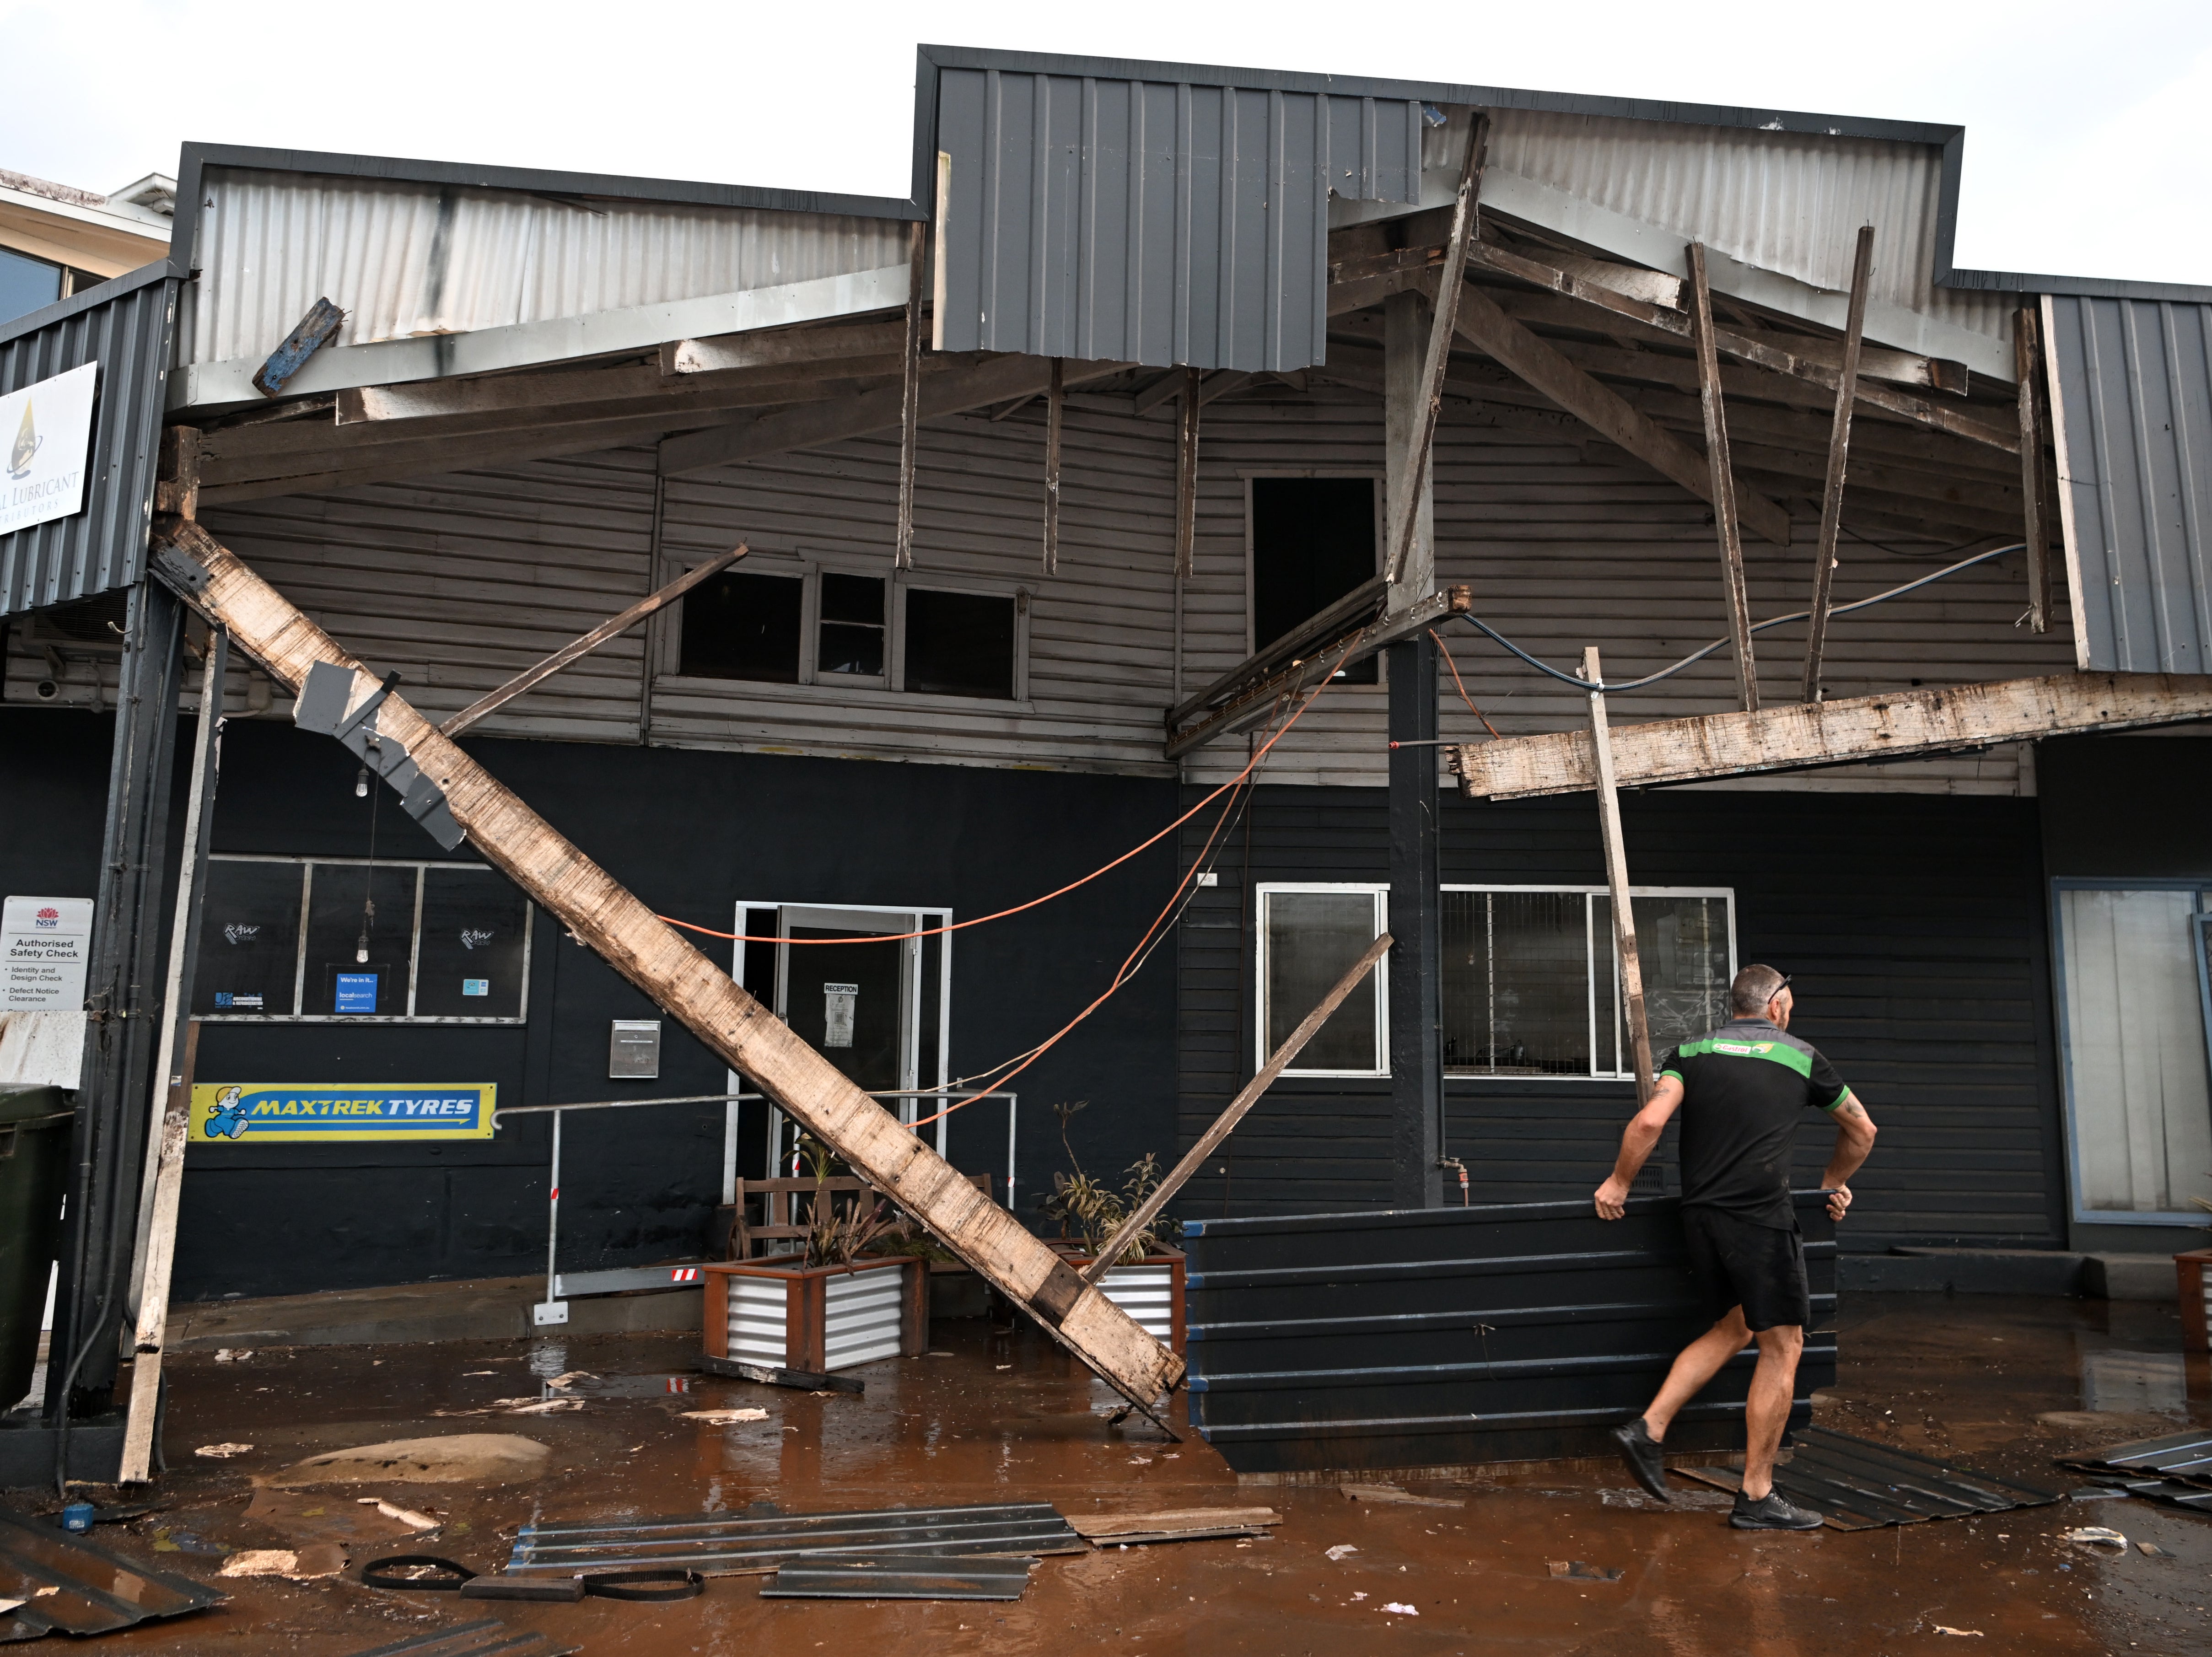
{"points": [[1717, 456], [591, 642], [1857, 728], [1616, 880], [1839, 445], [601, 914], [1246, 1096]]}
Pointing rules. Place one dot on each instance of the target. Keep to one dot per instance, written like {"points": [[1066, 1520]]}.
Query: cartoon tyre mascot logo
{"points": [[227, 1120]]}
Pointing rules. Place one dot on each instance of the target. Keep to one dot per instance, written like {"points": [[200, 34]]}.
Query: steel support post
{"points": [[1416, 921], [123, 997]]}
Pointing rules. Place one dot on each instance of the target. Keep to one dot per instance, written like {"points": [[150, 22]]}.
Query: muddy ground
{"points": [[996, 1417]]}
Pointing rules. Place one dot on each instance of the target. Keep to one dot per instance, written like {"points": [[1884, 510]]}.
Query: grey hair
{"points": [[1754, 987]]}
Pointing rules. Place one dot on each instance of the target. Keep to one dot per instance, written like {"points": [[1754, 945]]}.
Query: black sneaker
{"points": [[1772, 1513], [1642, 1453]]}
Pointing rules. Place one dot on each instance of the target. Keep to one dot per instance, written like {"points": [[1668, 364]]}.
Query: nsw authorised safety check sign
{"points": [[254, 1112]]}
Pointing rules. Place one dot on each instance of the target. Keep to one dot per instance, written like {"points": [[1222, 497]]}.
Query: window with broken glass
{"points": [[312, 939], [1531, 983]]}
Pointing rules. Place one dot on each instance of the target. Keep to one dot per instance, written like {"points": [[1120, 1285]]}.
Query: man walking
{"points": [[1742, 1091]]}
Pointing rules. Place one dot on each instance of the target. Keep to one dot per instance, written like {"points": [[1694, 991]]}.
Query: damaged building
{"points": [[1283, 457]]}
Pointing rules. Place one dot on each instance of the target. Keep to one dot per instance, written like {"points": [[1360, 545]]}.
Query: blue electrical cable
{"points": [[1581, 683]]}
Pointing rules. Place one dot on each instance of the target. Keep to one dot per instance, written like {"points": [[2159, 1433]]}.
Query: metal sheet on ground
{"points": [[1857, 1484], [731, 1544], [1429, 1337], [488, 1637], [922, 1576], [2178, 1455], [94, 1590]]}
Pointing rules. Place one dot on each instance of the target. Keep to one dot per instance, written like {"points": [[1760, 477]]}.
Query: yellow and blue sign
{"points": [[252, 1113]]}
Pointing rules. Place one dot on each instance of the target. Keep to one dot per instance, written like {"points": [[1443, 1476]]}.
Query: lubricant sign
{"points": [[44, 942], [251, 1113], [45, 431]]}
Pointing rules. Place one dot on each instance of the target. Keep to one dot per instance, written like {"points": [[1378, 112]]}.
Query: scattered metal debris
{"points": [[2098, 1536], [2186, 1456], [1859, 1485], [79, 1586], [488, 1638], [1341, 1551], [915, 1577], [761, 1539], [2185, 1495]]}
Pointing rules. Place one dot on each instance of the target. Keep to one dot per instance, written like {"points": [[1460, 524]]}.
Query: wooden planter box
{"points": [[2195, 1271], [1150, 1291], [816, 1318]]}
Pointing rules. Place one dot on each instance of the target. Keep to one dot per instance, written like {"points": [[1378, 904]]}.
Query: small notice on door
{"points": [[47, 942], [837, 1014]]}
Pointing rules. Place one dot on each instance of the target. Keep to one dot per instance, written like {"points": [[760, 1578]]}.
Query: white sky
{"points": [[2086, 152]]}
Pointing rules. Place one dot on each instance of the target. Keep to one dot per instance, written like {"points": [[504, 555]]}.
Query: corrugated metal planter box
{"points": [[2194, 1269], [817, 1318], [1151, 1291]]}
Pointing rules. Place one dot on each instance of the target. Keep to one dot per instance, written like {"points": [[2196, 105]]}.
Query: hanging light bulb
{"points": [[361, 950], [360, 784]]}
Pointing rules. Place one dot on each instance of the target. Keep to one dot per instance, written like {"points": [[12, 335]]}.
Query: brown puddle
{"points": [[1011, 1418]]}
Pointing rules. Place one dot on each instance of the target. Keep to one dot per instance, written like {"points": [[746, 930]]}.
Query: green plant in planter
{"points": [[837, 1236], [1096, 1210]]}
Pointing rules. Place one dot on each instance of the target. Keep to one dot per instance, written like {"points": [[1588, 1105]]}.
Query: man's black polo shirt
{"points": [[1743, 1086]]}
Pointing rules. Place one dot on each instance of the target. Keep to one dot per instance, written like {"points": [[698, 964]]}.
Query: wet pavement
{"points": [[992, 1416]]}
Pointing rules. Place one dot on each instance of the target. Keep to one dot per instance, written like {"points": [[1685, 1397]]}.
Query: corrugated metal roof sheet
{"points": [[129, 334], [406, 258], [2131, 392], [1152, 221]]}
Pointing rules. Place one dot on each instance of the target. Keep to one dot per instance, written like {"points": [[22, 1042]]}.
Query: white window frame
{"points": [[1593, 944], [421, 865], [1264, 892], [2202, 888], [809, 623], [1374, 474]]}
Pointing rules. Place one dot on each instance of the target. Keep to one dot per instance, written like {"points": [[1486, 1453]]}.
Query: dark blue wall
{"points": [[690, 833], [1914, 925]]}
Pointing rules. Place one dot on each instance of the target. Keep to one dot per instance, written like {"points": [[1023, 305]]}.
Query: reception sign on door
{"points": [[254, 1112]]}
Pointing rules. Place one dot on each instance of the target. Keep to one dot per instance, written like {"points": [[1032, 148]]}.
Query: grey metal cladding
{"points": [[1152, 221], [130, 334], [2132, 385]]}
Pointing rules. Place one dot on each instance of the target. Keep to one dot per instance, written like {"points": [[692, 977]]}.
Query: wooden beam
{"points": [[1489, 330], [583, 392], [307, 337], [176, 472], [1055, 407], [1616, 880], [910, 394], [1725, 527], [1932, 720], [1839, 444], [810, 425], [1411, 484], [2028, 357], [784, 347], [1185, 520], [1246, 1096], [613, 626], [695, 990]]}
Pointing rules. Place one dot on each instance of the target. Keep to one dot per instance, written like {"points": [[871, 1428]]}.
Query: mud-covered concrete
{"points": [[999, 1417]]}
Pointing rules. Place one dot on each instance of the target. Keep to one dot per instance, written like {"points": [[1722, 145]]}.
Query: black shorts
{"points": [[1737, 1263]]}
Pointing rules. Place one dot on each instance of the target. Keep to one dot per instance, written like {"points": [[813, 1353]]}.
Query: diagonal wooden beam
{"points": [[1840, 445], [1419, 458], [834, 419], [1482, 324], [679, 978], [613, 626], [1856, 728], [1726, 529]]}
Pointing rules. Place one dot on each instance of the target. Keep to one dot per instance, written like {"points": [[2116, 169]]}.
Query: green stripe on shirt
{"points": [[1781, 1052]]}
